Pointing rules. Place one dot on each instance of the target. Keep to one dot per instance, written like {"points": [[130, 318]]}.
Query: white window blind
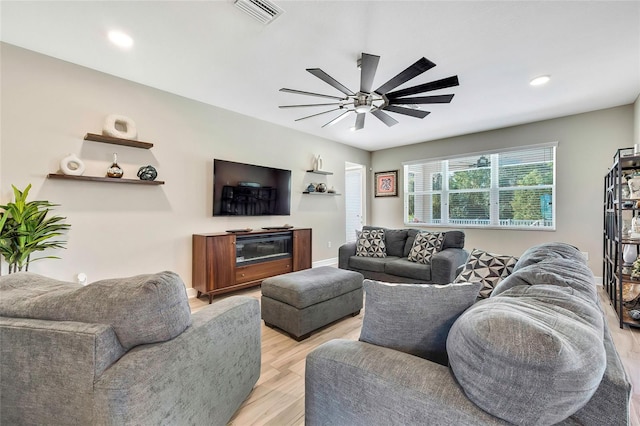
{"points": [[509, 189]]}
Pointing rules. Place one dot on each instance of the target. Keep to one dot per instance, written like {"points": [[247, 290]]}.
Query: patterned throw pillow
{"points": [[487, 268], [425, 245], [370, 243]]}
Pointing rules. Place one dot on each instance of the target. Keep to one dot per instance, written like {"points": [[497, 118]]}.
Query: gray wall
{"points": [[586, 144], [48, 105]]}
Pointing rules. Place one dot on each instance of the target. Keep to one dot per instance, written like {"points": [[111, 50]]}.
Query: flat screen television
{"points": [[241, 189]]}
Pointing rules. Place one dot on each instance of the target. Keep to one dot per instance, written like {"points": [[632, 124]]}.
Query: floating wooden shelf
{"points": [[105, 179], [321, 193], [319, 172], [117, 141]]}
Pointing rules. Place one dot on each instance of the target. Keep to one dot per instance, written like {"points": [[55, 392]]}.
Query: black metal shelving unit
{"points": [[617, 282]]}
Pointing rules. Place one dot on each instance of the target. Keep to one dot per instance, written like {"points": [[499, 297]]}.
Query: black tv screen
{"points": [[241, 189]]}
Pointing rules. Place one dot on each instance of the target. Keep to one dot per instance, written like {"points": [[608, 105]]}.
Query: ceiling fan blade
{"points": [[338, 118], [439, 99], [368, 67], [420, 66], [407, 111], [320, 113], [385, 118], [360, 121], [330, 80], [309, 105], [300, 92], [427, 87]]}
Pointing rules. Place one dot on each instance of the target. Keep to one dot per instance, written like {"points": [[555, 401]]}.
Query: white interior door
{"points": [[354, 199]]}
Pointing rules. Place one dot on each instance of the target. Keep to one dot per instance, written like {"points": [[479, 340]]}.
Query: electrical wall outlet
{"points": [[81, 278], [329, 244]]}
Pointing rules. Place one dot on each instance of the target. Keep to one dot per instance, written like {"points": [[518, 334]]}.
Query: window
{"points": [[507, 189]]}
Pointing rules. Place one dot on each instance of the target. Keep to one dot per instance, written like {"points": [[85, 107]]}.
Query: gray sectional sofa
{"points": [[395, 268], [537, 352], [122, 352]]}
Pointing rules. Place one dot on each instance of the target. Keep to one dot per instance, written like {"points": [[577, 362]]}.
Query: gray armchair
{"points": [[125, 351]]}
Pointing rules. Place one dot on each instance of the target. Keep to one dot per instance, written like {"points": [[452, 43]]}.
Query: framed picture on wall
{"points": [[386, 184]]}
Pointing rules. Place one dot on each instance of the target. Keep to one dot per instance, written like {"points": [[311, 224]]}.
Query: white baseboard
{"points": [[598, 281], [326, 262], [191, 292]]}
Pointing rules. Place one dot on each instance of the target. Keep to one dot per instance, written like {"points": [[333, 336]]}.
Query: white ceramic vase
{"points": [[71, 165], [629, 253]]}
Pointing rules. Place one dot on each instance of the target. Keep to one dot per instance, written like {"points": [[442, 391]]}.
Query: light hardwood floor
{"points": [[278, 397]]}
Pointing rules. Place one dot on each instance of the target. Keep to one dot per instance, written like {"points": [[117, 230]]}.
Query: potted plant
{"points": [[26, 229]]}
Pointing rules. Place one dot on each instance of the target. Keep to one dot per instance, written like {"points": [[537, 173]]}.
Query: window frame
{"points": [[494, 190]]}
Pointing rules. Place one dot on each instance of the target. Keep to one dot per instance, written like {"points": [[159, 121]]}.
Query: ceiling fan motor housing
{"points": [[363, 102]]}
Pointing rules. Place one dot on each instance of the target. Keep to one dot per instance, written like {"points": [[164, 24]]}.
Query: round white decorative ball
{"points": [[113, 121], [72, 165]]}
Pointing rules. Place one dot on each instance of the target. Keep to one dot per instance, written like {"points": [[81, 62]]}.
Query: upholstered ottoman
{"points": [[301, 302]]}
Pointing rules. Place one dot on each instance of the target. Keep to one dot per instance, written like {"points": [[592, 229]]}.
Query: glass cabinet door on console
{"points": [[252, 249]]}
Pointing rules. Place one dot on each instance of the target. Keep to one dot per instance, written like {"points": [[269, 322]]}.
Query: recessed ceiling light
{"points": [[539, 81], [120, 39]]}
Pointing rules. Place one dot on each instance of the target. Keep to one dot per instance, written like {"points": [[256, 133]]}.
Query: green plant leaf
{"points": [[25, 228]]}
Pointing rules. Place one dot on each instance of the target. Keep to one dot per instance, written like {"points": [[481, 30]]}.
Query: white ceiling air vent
{"points": [[264, 11]]}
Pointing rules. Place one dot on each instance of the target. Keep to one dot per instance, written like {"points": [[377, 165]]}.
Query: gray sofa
{"points": [[395, 268], [122, 352], [537, 352]]}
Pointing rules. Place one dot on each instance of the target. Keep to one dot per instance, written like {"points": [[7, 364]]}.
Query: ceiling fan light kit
{"points": [[382, 99]]}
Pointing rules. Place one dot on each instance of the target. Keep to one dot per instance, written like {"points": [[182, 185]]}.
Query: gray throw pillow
{"points": [[370, 243], [414, 318], [142, 309], [425, 245], [486, 268], [532, 355]]}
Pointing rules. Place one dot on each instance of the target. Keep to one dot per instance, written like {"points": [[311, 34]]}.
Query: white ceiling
{"points": [[214, 53]]}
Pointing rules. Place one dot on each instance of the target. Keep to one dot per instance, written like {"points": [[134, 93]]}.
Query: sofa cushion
{"points": [[372, 264], [141, 309], [370, 243], [408, 245], [531, 355], [486, 268], [553, 271], [414, 318], [453, 239], [424, 246], [394, 239], [548, 251], [408, 269]]}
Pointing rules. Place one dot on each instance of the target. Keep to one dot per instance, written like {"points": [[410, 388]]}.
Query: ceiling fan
{"points": [[382, 99]]}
